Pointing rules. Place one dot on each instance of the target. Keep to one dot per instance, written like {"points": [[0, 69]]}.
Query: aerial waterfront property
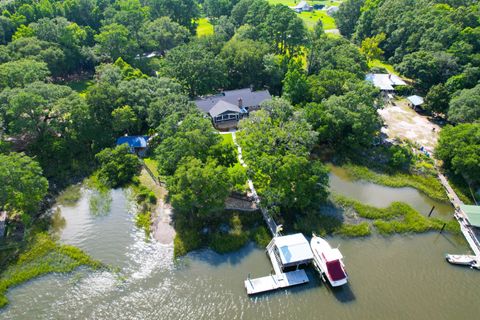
{"points": [[239, 159]]}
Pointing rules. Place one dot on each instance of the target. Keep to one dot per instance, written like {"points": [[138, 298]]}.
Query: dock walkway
{"points": [[275, 281], [272, 226], [461, 217]]}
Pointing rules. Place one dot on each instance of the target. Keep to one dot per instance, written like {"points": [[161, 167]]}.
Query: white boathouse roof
{"points": [[293, 248]]}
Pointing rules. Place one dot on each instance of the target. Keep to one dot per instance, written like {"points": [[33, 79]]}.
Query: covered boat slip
{"points": [[285, 252], [293, 250]]}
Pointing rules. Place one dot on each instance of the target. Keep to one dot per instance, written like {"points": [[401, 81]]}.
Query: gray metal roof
{"points": [[221, 107], [416, 100], [385, 81], [249, 98], [293, 248]]}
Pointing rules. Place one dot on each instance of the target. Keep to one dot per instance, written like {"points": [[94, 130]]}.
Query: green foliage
{"points": [[143, 220], [198, 190], [370, 47], [43, 256], [346, 121], [399, 217], [276, 143], [235, 239], [23, 186], [22, 72], [115, 41], [70, 196], [196, 68], [238, 177], [465, 106], [192, 136], [336, 54], [162, 34], [429, 185], [295, 84], [459, 148], [261, 236], [117, 166], [346, 18], [244, 62], [124, 119], [185, 242], [354, 230]]}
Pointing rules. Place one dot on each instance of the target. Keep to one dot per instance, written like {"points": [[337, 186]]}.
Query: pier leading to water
{"points": [[462, 218], [271, 224]]}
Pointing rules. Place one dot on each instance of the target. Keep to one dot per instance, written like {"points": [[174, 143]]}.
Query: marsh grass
{"points": [[429, 185], [229, 232], [70, 196], [354, 230], [399, 217], [43, 256]]}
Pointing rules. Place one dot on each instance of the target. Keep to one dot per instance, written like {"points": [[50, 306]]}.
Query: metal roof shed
{"points": [[416, 100], [293, 249], [472, 213]]}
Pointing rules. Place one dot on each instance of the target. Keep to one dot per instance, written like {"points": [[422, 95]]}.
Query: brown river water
{"points": [[397, 277]]}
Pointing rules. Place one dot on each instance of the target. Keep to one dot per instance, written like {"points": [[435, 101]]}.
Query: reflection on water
{"points": [[381, 196], [399, 277]]}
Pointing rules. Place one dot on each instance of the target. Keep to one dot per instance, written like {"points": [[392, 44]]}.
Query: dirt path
{"points": [[404, 123], [162, 229]]}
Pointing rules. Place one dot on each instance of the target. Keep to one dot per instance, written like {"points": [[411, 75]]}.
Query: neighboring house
{"points": [[137, 144], [302, 6], [415, 101], [332, 10], [386, 82], [231, 106]]}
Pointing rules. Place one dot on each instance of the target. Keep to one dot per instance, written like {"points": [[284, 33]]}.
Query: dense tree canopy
{"points": [[465, 106], [278, 141], [23, 186], [117, 166], [459, 148]]}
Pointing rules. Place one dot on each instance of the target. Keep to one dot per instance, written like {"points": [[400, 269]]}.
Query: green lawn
{"points": [[311, 18], [204, 27], [380, 64], [227, 138]]}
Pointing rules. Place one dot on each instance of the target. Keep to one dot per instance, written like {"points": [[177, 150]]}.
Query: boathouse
{"points": [[292, 251]]}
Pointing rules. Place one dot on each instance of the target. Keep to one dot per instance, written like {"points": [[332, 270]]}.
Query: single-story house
{"points": [[232, 105], [415, 101], [137, 144], [302, 6], [332, 10], [386, 82]]}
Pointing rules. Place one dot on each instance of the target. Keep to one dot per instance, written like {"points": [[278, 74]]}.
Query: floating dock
{"points": [[275, 281]]}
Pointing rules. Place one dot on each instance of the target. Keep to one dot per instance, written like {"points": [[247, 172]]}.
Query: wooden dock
{"points": [[275, 281], [460, 216]]}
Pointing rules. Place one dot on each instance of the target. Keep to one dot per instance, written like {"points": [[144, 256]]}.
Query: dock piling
{"points": [[431, 211], [443, 227]]}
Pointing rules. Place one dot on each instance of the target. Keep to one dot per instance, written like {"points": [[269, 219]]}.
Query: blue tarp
{"points": [[133, 141]]}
